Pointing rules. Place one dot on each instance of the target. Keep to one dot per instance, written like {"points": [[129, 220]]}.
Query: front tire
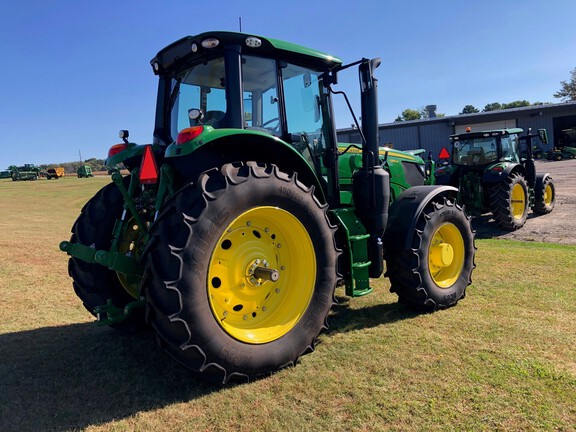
{"points": [[435, 272], [242, 268], [509, 202], [544, 196]]}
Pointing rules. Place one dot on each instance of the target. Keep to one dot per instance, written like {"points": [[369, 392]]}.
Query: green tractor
{"points": [[492, 177], [25, 172], [84, 171], [234, 227]]}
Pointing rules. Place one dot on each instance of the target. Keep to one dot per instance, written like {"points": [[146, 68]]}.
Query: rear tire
{"points": [[434, 273], [509, 202], [545, 196], [209, 309], [94, 283]]}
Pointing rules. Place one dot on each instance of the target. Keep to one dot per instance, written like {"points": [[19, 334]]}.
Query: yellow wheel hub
{"points": [[446, 255], [517, 201], [548, 195], [261, 275]]}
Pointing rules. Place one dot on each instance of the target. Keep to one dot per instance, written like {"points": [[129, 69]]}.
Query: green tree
{"points": [[409, 114], [568, 91], [494, 106], [470, 109], [516, 104]]}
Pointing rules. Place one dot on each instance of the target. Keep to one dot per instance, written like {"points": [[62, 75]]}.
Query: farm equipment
{"points": [[55, 173], [234, 227], [491, 177], [25, 172], [84, 171], [559, 153]]}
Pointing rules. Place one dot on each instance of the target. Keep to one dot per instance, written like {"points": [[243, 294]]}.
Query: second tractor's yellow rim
{"points": [[261, 275], [446, 255], [517, 201], [548, 195]]}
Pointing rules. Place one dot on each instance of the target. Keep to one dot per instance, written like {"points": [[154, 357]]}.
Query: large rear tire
{"points": [[241, 272], [509, 202], [544, 196], [93, 283], [435, 272]]}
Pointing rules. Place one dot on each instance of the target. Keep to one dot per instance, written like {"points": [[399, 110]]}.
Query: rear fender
{"points": [[493, 175], [405, 211], [219, 147]]}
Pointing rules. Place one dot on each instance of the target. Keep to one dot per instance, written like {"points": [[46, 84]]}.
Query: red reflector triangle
{"points": [[148, 168], [444, 154]]}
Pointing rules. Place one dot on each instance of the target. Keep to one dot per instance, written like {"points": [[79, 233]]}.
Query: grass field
{"points": [[503, 359]]}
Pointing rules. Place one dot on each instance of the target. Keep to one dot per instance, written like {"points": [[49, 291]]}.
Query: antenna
{"points": [[80, 154], [240, 23]]}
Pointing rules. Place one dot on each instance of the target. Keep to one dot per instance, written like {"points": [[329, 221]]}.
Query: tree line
{"points": [[71, 167], [567, 93]]}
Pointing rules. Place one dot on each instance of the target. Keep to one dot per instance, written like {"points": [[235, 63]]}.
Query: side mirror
{"points": [[543, 136]]}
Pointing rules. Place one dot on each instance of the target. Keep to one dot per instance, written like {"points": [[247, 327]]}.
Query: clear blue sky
{"points": [[73, 73]]}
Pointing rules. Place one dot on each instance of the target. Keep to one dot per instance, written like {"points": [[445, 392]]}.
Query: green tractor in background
{"points": [[234, 227], [25, 172], [493, 177], [84, 171]]}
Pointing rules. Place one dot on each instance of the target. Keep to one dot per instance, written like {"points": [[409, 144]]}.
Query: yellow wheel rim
{"points": [[548, 195], [518, 201], [261, 275], [446, 255], [131, 245]]}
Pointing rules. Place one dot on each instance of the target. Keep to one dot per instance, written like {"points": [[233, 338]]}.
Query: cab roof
{"points": [[211, 42], [486, 133]]}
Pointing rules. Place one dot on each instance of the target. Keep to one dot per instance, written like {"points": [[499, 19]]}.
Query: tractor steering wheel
{"points": [[275, 128]]}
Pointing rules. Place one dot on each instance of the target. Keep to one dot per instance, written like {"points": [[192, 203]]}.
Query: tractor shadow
{"points": [[80, 375], [487, 228], [344, 319]]}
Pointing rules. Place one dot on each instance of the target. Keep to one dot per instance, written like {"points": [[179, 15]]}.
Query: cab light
{"points": [[189, 134], [117, 148], [148, 168], [210, 43], [253, 42]]}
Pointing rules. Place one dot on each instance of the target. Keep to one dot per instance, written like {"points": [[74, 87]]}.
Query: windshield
{"points": [[200, 87], [475, 151]]}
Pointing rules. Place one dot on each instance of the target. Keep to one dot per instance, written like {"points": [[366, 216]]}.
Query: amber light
{"points": [[117, 148], [189, 134], [148, 168]]}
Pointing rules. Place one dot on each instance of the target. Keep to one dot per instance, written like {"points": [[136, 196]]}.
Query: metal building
{"points": [[432, 134]]}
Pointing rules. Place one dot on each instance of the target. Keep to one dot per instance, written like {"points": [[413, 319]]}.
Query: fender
{"points": [[501, 170], [410, 202], [216, 147], [540, 177]]}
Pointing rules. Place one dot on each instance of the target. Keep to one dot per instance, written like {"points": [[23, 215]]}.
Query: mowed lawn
{"points": [[503, 359]]}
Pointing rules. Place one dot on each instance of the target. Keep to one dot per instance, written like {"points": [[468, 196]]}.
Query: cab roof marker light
{"points": [[253, 42], [210, 43]]}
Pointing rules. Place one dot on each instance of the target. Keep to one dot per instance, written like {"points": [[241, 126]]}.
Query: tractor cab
{"points": [[481, 149], [222, 90]]}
